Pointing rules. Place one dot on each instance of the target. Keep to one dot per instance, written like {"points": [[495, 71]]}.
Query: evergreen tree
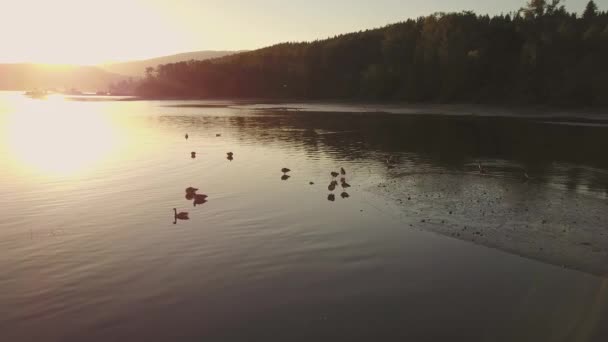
{"points": [[590, 10]]}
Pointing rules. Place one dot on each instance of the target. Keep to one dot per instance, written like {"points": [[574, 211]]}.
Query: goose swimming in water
{"points": [[334, 174], [181, 215], [345, 185], [191, 190], [332, 186], [331, 197], [285, 170], [200, 199]]}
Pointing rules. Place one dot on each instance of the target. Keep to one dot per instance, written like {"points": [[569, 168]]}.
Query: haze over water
{"points": [[424, 247]]}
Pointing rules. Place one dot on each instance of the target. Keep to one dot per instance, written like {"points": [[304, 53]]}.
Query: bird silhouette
{"points": [[334, 174], [332, 186], [191, 190], [218, 135], [179, 216], [285, 177], [190, 196], [342, 171], [230, 153], [193, 155], [186, 136], [344, 184], [331, 197], [345, 195], [285, 170], [200, 199], [230, 158]]}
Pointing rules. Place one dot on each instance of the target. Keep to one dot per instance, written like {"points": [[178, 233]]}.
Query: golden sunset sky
{"points": [[97, 31]]}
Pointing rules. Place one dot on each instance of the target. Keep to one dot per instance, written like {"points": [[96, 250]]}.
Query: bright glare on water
{"points": [[452, 227]]}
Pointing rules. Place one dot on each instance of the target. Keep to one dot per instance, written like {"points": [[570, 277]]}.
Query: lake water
{"points": [[423, 247]]}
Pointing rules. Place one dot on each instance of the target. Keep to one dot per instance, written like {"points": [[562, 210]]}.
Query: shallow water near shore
{"points": [[458, 227]]}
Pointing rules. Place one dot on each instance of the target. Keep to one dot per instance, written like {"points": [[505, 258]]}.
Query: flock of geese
{"points": [[334, 184], [191, 195], [391, 162], [199, 199]]}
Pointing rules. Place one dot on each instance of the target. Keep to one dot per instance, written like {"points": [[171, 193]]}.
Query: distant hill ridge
{"points": [[138, 68], [25, 76]]}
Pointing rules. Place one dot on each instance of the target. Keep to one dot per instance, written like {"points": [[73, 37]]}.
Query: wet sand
{"points": [[522, 217]]}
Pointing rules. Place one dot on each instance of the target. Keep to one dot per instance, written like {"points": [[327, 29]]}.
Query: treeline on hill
{"points": [[540, 54]]}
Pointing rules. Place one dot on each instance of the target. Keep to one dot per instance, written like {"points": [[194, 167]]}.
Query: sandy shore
{"points": [[533, 220]]}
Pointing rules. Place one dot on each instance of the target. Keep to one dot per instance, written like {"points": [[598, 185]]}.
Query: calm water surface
{"points": [[89, 250]]}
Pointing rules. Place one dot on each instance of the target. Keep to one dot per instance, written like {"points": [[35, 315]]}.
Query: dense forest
{"points": [[539, 54]]}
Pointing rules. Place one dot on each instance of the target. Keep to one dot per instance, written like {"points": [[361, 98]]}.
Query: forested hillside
{"points": [[539, 54]]}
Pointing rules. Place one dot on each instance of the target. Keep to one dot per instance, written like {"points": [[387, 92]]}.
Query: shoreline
{"points": [[564, 231]]}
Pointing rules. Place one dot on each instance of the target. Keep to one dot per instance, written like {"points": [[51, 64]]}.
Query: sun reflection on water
{"points": [[56, 137]]}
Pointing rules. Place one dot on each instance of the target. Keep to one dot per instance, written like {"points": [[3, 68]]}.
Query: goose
{"points": [[285, 177], [345, 185], [230, 154], [285, 170], [342, 171], [191, 190], [334, 174], [331, 197], [200, 197], [181, 215], [332, 186], [190, 196], [345, 195], [195, 203]]}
